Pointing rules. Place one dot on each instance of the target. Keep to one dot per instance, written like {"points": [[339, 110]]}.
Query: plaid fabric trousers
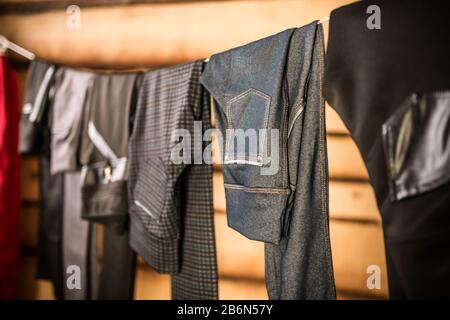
{"points": [[172, 217]]}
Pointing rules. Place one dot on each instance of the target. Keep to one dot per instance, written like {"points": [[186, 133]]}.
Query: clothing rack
{"points": [[5, 44]]}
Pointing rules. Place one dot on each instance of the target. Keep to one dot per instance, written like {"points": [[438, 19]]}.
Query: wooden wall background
{"points": [[164, 33]]}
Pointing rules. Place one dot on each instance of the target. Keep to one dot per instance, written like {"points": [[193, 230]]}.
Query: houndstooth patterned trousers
{"points": [[172, 216]]}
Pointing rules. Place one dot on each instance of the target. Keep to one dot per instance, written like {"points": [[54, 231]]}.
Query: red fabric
{"points": [[9, 183]]}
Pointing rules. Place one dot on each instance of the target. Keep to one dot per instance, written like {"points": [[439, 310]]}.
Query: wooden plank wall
{"points": [[154, 35]]}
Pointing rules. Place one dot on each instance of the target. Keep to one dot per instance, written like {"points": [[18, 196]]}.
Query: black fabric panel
{"points": [[369, 74]]}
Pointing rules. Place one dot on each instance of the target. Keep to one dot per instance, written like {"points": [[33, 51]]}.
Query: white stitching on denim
{"points": [[246, 92], [296, 116], [257, 190], [325, 182], [243, 161], [284, 147], [227, 110]]}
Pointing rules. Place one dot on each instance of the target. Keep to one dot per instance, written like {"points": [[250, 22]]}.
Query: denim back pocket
{"points": [[247, 120], [153, 200], [416, 141]]}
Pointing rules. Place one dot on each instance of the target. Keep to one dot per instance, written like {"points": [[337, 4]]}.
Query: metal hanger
{"points": [[6, 44]]}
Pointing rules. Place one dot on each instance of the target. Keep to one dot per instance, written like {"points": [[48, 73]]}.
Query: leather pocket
{"points": [[153, 200], [247, 120], [104, 191], [416, 142], [105, 202]]}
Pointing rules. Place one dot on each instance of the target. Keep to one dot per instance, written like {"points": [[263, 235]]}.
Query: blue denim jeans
{"points": [[276, 183]]}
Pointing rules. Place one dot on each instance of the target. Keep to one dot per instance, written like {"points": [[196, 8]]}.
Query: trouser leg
{"points": [[419, 269], [49, 251], [118, 267], [75, 239]]}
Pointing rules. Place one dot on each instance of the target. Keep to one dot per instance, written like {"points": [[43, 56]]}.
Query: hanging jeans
{"points": [[172, 216], [276, 185]]}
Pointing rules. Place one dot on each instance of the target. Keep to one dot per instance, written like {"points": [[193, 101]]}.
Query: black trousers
{"points": [[391, 87], [49, 251]]}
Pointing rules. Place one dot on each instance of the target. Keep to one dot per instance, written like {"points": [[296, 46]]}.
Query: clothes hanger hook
{"points": [[321, 21]]}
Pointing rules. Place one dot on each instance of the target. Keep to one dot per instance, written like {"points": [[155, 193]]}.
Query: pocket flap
{"points": [[150, 192], [257, 213], [153, 199], [105, 202]]}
